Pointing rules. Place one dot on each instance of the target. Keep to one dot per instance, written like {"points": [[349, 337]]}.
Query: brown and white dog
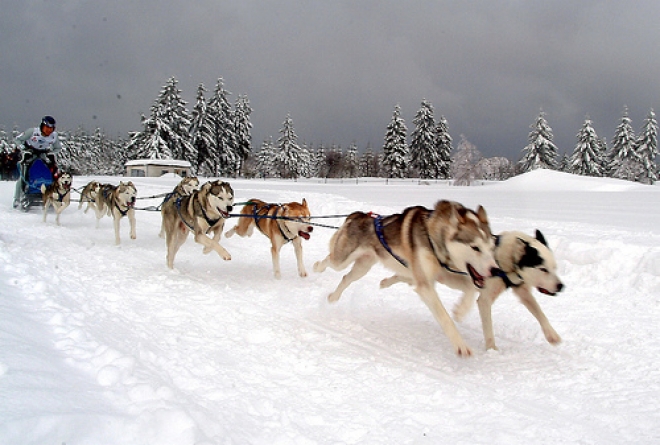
{"points": [[58, 194], [449, 244], [89, 194], [117, 201], [525, 263], [202, 212], [185, 187], [280, 223]]}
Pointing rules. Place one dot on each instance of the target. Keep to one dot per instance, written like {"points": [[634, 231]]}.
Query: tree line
{"points": [[215, 137]]}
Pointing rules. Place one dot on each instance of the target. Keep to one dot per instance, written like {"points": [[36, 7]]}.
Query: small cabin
{"points": [[139, 168]]}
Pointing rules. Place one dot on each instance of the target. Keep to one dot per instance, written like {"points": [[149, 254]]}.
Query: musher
{"points": [[39, 142]]}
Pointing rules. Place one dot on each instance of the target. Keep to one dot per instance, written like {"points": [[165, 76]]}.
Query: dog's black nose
{"points": [[560, 286], [310, 229], [229, 208]]}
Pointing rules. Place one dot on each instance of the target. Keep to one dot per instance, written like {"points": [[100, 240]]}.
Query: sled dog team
{"points": [[449, 244]]}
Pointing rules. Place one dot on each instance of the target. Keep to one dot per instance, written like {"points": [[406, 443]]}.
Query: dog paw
{"points": [[490, 345], [226, 257], [303, 273], [206, 250], [333, 298], [552, 337], [386, 282], [318, 266], [463, 350]]}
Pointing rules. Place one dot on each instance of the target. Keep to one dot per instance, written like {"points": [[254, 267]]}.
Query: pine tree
{"points": [[423, 150], [586, 159], [444, 148], [319, 159], [265, 158], [541, 152], [647, 149], [369, 165], [224, 139], [351, 162], [395, 149], [466, 161], [291, 161], [165, 134], [623, 160], [242, 129], [201, 133]]}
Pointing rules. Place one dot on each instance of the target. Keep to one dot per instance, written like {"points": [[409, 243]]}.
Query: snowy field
{"points": [[102, 344]]}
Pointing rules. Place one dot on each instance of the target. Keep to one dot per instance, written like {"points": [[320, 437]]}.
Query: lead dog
{"points": [[185, 187], [117, 201], [202, 212], [58, 194], [421, 246], [525, 262], [280, 223], [89, 194]]}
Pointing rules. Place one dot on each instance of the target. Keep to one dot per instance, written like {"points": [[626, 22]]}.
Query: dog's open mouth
{"points": [[478, 279], [546, 291], [304, 235]]}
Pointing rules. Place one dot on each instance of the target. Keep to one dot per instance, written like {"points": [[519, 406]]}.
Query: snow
{"points": [[102, 344]]}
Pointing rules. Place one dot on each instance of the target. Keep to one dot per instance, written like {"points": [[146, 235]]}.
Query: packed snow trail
{"points": [[103, 344]]}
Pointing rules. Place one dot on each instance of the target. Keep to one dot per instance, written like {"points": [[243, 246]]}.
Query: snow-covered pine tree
{"points": [[265, 158], [351, 162], [423, 150], [320, 168], [291, 161], [369, 165], [444, 148], [465, 165], [201, 134], [242, 129], [395, 149], [623, 160], [165, 134], [586, 159], [224, 139], [540, 152], [647, 149]]}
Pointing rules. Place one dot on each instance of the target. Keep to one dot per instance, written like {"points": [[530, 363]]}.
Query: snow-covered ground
{"points": [[102, 344]]}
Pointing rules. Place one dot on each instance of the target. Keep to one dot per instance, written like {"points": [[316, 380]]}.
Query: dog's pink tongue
{"points": [[304, 234]]}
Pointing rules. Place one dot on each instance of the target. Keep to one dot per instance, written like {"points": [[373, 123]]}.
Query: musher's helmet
{"points": [[48, 121]]}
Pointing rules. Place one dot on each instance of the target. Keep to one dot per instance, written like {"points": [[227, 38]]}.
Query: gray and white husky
{"points": [[450, 244]]}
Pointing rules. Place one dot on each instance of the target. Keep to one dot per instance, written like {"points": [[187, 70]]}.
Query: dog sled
{"points": [[31, 179]]}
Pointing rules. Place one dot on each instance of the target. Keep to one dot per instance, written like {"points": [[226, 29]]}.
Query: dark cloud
{"points": [[338, 68]]}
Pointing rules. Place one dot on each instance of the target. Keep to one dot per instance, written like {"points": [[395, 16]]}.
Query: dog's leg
{"points": [[527, 299], [466, 302], [425, 289], [387, 282], [131, 220], [275, 255], [298, 249], [175, 237], [487, 297], [46, 205], [58, 210], [362, 265], [116, 216], [204, 240], [217, 234]]}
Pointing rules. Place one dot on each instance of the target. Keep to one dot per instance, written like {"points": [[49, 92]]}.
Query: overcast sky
{"points": [[337, 67]]}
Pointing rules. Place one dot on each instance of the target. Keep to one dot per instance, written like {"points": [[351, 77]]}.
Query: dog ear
{"points": [[481, 214], [541, 238], [447, 211], [304, 202]]}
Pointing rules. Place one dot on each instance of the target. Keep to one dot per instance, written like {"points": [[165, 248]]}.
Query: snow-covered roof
{"points": [[168, 162]]}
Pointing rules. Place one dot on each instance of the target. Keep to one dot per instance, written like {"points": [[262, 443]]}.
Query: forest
{"points": [[215, 137]]}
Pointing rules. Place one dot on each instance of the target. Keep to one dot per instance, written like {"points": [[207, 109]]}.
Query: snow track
{"points": [[104, 344]]}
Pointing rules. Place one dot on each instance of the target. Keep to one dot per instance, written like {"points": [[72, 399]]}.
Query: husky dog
{"points": [[421, 246], [58, 194], [281, 223], [525, 263], [117, 201], [89, 194], [202, 212], [185, 187]]}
